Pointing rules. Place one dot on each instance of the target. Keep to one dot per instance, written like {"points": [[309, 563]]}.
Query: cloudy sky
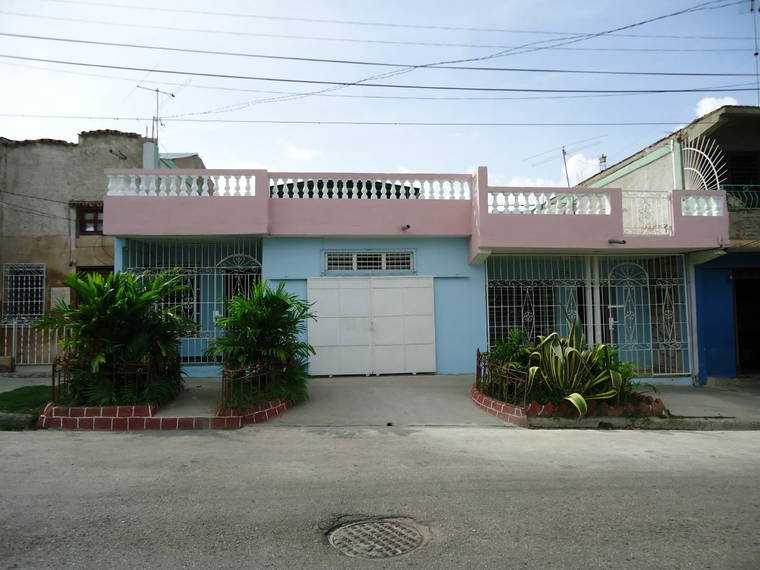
{"points": [[400, 32]]}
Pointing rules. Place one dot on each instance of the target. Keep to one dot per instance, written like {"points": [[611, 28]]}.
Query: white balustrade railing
{"points": [[173, 184], [702, 205], [558, 202], [380, 187], [646, 213]]}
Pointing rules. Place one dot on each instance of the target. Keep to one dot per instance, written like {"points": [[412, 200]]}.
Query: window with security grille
{"points": [[369, 261], [23, 290]]}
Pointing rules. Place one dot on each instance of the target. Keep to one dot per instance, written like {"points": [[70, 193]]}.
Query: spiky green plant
{"points": [[119, 320], [264, 330], [568, 369]]}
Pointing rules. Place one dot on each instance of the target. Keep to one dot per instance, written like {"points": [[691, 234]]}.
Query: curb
{"points": [[690, 424], [21, 420]]}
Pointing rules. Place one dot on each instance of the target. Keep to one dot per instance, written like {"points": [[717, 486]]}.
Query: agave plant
{"points": [[567, 368], [264, 330]]}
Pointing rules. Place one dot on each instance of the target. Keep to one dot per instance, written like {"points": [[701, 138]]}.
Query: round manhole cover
{"points": [[382, 538]]}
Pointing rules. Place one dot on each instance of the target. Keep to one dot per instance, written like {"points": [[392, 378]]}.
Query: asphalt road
{"points": [[262, 497]]}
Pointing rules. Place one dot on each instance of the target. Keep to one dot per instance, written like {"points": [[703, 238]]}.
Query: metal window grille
{"points": [[637, 304], [347, 261], [214, 270], [24, 290]]}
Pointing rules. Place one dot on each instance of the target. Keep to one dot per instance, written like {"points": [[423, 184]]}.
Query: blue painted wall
{"points": [[716, 322], [459, 288]]}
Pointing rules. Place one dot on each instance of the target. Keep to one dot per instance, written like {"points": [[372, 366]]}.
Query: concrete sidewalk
{"points": [[741, 403]]}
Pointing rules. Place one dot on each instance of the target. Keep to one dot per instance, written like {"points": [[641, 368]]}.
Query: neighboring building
{"points": [[411, 273], [51, 220], [720, 150]]}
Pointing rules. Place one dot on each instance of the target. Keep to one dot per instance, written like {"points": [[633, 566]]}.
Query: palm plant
{"points": [[568, 369], [263, 331], [121, 321]]}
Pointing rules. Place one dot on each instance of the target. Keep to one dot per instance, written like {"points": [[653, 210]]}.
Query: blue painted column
{"points": [[118, 253]]}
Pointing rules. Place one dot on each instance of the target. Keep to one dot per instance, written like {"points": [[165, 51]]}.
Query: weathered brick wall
{"points": [[745, 224]]}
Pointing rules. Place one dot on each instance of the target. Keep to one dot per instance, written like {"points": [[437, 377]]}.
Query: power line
{"points": [[35, 197], [362, 123], [382, 85], [753, 14], [382, 24], [375, 63], [524, 48], [25, 210], [345, 95], [206, 30]]}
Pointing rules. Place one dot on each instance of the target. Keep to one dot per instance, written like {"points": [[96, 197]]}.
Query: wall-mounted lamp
{"points": [[616, 241]]}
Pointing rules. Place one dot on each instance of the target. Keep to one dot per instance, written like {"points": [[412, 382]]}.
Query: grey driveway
{"points": [[423, 400]]}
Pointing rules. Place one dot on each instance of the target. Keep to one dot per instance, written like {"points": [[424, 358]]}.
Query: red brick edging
{"points": [[507, 412], [138, 418]]}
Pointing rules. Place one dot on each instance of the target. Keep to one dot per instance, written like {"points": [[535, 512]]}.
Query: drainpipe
{"points": [[675, 150]]}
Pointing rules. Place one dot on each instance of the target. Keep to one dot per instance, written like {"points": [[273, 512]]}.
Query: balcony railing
{"points": [[742, 196], [181, 183], [559, 202], [370, 186]]}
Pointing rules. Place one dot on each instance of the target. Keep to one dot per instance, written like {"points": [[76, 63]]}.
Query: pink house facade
{"points": [[412, 272]]}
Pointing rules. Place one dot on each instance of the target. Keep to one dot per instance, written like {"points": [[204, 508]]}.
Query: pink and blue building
{"points": [[411, 273]]}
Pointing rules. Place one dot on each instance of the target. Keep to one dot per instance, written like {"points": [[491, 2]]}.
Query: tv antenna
{"points": [[564, 161], [156, 118]]}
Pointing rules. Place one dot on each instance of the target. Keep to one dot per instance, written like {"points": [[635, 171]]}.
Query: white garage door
{"points": [[372, 325]]}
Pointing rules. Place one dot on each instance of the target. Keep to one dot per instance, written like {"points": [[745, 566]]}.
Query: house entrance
{"points": [[747, 311], [637, 304]]}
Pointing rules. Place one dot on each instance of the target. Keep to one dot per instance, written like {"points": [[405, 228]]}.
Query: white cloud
{"points": [[527, 181], [707, 104], [579, 168], [303, 154]]}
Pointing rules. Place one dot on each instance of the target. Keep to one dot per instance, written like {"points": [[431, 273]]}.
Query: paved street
{"points": [[492, 497]]}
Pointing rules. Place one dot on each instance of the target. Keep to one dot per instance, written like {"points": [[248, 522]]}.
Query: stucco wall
{"points": [[657, 175], [459, 288], [38, 179]]}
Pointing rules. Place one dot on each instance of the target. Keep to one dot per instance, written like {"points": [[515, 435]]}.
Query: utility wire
{"points": [[363, 123], [25, 210], [379, 24], [753, 14], [525, 48], [345, 95], [35, 197], [207, 30], [383, 85], [377, 63]]}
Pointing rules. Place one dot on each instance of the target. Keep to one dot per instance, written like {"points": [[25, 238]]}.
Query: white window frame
{"points": [[355, 270]]}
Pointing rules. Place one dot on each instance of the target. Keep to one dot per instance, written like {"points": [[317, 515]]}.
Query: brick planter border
{"points": [[139, 418], [524, 417], [508, 412]]}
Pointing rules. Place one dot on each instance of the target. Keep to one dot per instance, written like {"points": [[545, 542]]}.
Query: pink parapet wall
{"points": [[174, 202]]}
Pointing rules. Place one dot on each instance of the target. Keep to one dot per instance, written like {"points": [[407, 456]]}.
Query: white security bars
{"points": [[375, 261], [636, 304], [555, 202], [23, 291], [172, 184], [394, 187], [646, 213], [214, 271]]}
